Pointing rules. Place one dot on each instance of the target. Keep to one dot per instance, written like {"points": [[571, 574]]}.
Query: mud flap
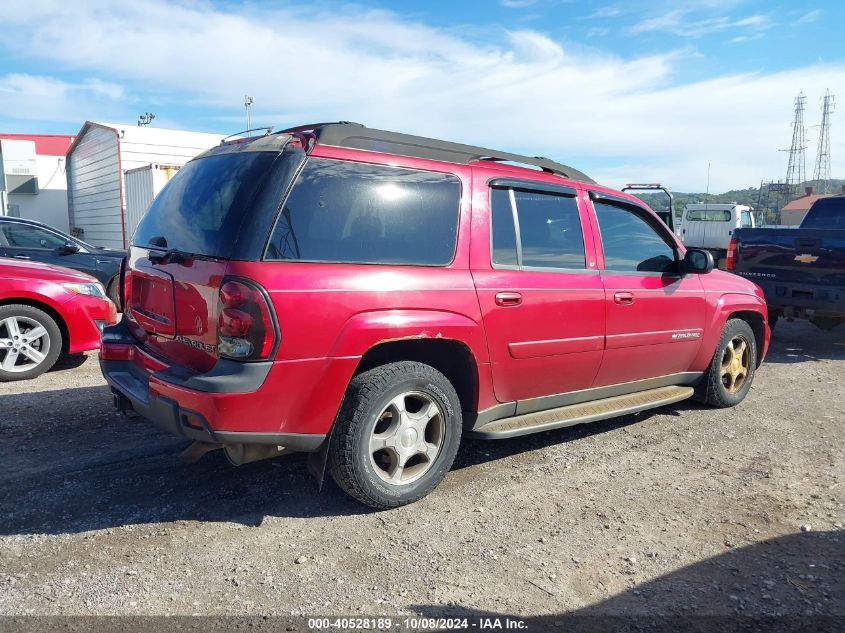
{"points": [[318, 459]]}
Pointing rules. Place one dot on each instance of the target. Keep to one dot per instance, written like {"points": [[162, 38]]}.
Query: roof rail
{"points": [[267, 130], [357, 136], [311, 127]]}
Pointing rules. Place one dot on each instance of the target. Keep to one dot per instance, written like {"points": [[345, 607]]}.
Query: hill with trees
{"points": [[750, 197]]}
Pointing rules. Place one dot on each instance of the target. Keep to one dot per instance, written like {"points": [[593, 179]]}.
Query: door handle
{"points": [[21, 256], [623, 298], [508, 299]]}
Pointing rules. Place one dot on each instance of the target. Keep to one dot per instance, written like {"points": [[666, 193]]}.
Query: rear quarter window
{"points": [[342, 211]]}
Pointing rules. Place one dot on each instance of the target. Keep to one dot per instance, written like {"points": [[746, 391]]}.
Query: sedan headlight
{"points": [[90, 289]]}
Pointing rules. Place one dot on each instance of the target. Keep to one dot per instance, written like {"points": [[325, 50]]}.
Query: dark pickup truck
{"points": [[801, 270]]}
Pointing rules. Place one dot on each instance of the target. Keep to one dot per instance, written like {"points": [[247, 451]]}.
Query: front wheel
{"points": [[728, 379], [396, 435], [30, 342]]}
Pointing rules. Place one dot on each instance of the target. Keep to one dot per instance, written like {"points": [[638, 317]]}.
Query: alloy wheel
{"points": [[407, 438], [736, 364], [24, 344]]}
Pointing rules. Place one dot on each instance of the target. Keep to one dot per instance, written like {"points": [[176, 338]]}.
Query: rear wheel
{"points": [[729, 377], [396, 435], [30, 342]]}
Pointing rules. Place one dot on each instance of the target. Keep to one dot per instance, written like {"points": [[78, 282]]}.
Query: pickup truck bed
{"points": [[802, 269]]}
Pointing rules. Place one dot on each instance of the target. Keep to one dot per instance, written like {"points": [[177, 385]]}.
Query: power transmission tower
{"points": [[821, 174], [796, 170]]}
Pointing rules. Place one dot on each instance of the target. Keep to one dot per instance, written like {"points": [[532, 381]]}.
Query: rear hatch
{"points": [[218, 207]]}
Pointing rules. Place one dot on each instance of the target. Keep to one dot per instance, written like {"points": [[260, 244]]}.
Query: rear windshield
{"points": [[203, 207], [827, 213], [709, 215], [342, 211]]}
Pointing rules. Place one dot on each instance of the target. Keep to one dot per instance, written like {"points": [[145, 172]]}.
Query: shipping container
{"points": [[142, 186], [96, 166]]}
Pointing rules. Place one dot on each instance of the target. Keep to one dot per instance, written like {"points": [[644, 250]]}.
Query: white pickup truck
{"points": [[711, 226]]}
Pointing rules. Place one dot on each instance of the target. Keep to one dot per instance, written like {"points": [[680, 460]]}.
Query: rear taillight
{"points": [[730, 260], [246, 329]]}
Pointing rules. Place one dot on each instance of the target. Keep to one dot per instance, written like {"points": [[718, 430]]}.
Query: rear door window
{"points": [[343, 211], [547, 233]]}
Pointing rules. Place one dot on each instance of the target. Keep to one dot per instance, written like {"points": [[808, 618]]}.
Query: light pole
{"points": [[248, 101]]}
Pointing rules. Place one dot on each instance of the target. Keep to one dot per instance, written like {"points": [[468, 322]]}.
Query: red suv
{"points": [[371, 297]]}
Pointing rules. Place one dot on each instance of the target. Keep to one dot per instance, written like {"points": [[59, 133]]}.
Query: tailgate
{"points": [[792, 255], [172, 307]]}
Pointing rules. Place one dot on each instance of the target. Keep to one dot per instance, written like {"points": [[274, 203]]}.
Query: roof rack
{"points": [[357, 136], [267, 130]]}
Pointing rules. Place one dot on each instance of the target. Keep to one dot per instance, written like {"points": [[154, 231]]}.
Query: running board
{"points": [[581, 413]]}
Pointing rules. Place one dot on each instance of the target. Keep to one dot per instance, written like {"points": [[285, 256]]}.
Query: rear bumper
{"points": [[131, 394], [234, 403], [803, 300]]}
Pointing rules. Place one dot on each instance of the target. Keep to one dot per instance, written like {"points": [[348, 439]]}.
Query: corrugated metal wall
{"points": [[142, 185], [94, 202], [96, 182]]}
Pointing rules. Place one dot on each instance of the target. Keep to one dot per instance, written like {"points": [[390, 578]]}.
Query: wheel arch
{"points": [[452, 358], [48, 309]]}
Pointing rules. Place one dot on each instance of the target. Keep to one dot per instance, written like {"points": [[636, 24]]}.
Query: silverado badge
{"points": [[806, 258]]}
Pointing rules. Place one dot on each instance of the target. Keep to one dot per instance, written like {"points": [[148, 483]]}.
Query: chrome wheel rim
{"points": [[406, 438], [24, 344], [736, 364]]}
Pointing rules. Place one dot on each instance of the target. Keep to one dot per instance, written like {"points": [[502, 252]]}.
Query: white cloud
{"points": [[36, 97], [810, 16], [623, 119], [686, 23], [517, 4], [609, 11]]}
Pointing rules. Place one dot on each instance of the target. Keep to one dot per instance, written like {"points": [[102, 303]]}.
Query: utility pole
{"points": [[796, 171], [248, 101], [821, 174]]}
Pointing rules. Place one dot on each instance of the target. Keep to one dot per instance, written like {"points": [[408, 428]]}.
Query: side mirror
{"points": [[698, 261], [68, 249]]}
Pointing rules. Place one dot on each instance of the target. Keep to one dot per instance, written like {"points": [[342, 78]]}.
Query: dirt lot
{"points": [[682, 510]]}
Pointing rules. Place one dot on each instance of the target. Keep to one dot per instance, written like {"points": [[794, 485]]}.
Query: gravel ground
{"points": [[680, 510]]}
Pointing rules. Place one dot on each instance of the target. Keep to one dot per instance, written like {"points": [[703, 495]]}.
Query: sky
{"points": [[624, 91]]}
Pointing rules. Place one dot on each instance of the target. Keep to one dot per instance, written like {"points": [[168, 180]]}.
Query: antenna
{"points": [[821, 174], [248, 101], [146, 119], [796, 171]]}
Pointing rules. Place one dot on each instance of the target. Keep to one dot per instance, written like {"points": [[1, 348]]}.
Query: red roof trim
{"points": [[45, 144]]}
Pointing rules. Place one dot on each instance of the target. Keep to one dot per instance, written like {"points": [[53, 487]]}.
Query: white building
{"points": [[96, 166], [33, 184]]}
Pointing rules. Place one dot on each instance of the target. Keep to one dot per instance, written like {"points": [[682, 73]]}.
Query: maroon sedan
{"points": [[46, 312]]}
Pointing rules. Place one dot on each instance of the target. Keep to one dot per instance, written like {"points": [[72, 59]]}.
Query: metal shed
{"points": [[96, 166]]}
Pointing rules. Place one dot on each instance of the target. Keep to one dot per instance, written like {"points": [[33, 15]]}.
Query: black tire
{"points": [[712, 389], [350, 460], [113, 292], [53, 336]]}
